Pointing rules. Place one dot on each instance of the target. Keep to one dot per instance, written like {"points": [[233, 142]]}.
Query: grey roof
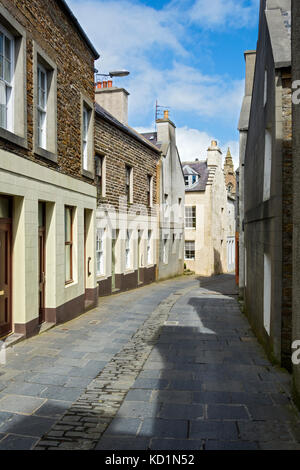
{"points": [[101, 112], [66, 9], [152, 137], [202, 169], [278, 15]]}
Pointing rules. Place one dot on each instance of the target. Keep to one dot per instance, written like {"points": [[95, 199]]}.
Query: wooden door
{"points": [[5, 277]]}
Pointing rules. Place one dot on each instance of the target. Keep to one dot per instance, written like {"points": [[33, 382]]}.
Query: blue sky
{"points": [[187, 54]]}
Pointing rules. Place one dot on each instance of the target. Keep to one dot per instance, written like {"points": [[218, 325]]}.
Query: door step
{"points": [[88, 305], [45, 326], [12, 339], [115, 291]]}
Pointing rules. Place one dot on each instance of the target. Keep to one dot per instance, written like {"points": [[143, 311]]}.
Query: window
{"points": [[266, 88], [128, 183], [100, 173], [166, 205], [186, 180], [69, 244], [128, 250], [6, 80], [100, 252], [189, 250], [45, 104], [149, 250], [149, 190], [165, 251], [42, 97], [268, 166], [13, 90], [85, 130], [190, 217]]}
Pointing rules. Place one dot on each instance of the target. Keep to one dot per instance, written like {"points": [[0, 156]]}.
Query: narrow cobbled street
{"points": [[173, 365]]}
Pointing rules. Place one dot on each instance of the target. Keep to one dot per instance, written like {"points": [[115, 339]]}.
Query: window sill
{"points": [[129, 271], [101, 277], [14, 138], [70, 284], [40, 152], [87, 174]]}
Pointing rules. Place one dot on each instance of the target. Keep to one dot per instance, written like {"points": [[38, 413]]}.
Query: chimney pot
{"points": [[104, 84], [214, 143], [99, 85], [109, 83], [166, 114]]}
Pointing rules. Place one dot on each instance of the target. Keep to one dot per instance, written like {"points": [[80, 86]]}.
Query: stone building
{"points": [[268, 187], [127, 214], [230, 179], [48, 195], [206, 217], [170, 198], [296, 187], [243, 131]]}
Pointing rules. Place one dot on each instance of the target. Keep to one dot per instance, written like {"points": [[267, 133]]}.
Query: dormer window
{"points": [[190, 180]]}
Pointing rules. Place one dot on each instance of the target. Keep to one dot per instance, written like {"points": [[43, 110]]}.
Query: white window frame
{"points": [[42, 107], [100, 252], [190, 217], [85, 131], [8, 87], [188, 248]]}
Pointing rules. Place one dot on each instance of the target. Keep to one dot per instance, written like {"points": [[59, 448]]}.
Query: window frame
{"points": [[128, 252], [101, 250], [100, 161], [69, 243], [41, 61], [17, 134], [8, 84], [87, 151], [192, 242], [192, 225], [150, 190], [129, 184], [42, 137], [149, 249]]}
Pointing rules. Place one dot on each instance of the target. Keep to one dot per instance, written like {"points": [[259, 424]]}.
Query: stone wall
{"points": [[46, 23]]}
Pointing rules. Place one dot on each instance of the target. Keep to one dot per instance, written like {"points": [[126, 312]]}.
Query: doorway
{"points": [[42, 261], [5, 266], [113, 258]]}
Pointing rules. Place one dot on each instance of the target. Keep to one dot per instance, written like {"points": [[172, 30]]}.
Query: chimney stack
{"points": [[165, 129], [114, 100], [214, 155]]}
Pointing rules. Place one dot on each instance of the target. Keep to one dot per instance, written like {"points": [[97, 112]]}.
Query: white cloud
{"points": [[213, 14]]}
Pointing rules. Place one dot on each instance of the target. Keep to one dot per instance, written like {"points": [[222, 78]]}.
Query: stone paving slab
{"points": [[200, 381]]}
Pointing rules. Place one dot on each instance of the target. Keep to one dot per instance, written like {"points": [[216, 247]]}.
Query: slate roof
{"points": [[101, 112], [68, 12], [152, 137], [202, 169]]}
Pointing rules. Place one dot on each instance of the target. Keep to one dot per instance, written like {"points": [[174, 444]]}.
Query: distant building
{"points": [[268, 185], [230, 179], [127, 182], [171, 197], [243, 131], [206, 214]]}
